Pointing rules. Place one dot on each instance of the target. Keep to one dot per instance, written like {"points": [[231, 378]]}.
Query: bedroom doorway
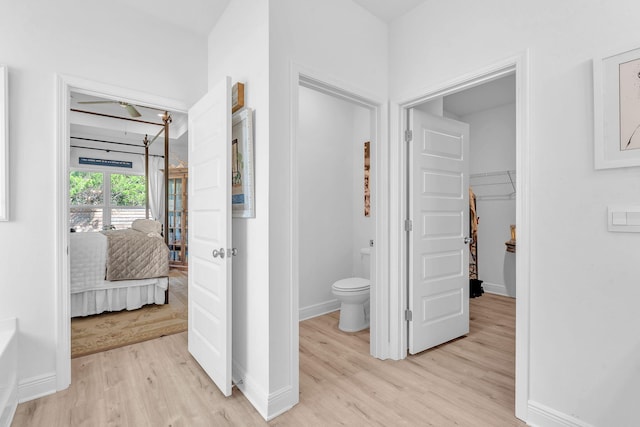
{"points": [[120, 98]]}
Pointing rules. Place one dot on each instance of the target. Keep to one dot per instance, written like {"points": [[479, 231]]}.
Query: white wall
{"points": [[493, 148], [39, 39], [239, 48], [584, 337], [336, 39], [330, 166]]}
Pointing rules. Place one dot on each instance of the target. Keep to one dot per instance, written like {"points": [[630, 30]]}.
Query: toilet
{"points": [[353, 294]]}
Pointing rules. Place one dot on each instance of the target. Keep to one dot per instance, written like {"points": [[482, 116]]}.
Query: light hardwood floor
{"points": [[467, 382]]}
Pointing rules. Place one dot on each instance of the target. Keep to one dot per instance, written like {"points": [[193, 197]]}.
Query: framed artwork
{"points": [[242, 168], [616, 91], [367, 173], [237, 97], [4, 145]]}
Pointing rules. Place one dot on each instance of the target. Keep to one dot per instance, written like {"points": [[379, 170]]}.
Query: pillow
{"points": [[147, 226]]}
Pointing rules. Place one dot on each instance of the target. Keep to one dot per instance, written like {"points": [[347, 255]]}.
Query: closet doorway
{"points": [[435, 100]]}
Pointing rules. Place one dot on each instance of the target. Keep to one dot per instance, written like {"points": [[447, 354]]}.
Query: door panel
{"points": [[439, 210], [210, 228]]}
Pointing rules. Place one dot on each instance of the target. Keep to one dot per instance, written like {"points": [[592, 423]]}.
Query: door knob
{"points": [[232, 252], [467, 240], [218, 253]]}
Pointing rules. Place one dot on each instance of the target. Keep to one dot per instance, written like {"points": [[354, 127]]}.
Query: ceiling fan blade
{"points": [[131, 109], [97, 102]]}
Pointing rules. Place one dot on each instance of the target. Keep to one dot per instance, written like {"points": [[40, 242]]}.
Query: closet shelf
{"points": [[498, 185]]}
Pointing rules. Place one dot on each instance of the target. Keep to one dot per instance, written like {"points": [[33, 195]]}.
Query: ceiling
{"points": [[483, 97], [122, 127], [200, 16], [388, 10]]}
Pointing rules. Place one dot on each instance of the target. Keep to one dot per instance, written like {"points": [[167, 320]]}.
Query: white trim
{"points": [[520, 65], [64, 85], [36, 387], [251, 390], [541, 415], [279, 402], [310, 78], [4, 143], [495, 288], [319, 309]]}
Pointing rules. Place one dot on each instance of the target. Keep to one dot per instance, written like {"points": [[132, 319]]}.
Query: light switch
{"points": [[619, 218], [633, 218], [625, 219]]}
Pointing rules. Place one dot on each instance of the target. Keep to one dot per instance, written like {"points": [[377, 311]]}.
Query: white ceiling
{"points": [[121, 130], [200, 16], [484, 97], [388, 10]]}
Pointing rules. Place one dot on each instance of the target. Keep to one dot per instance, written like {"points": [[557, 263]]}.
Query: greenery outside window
{"points": [[100, 200]]}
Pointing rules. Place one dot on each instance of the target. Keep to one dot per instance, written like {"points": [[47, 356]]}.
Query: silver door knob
{"points": [[232, 252], [467, 240], [218, 253]]}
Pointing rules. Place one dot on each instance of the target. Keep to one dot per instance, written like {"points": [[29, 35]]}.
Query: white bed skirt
{"points": [[128, 295]]}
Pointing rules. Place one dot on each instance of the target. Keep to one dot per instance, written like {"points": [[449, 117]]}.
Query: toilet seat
{"points": [[352, 284]]}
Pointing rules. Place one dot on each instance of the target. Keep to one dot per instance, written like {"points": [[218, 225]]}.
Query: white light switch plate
{"points": [[625, 219]]}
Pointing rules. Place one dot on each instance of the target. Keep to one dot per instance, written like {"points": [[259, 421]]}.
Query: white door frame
{"points": [[65, 85], [398, 200], [309, 78]]}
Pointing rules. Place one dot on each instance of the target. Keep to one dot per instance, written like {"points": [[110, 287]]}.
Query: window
{"points": [[103, 200]]}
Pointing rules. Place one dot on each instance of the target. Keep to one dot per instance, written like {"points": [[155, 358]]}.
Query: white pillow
{"points": [[147, 226]]}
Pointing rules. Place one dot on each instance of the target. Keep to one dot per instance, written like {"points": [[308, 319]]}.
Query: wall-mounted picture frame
{"points": [[242, 167], [4, 144], [237, 97], [616, 107]]}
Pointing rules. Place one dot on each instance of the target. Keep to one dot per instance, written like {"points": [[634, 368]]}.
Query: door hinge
{"points": [[408, 135], [408, 315], [408, 225]]}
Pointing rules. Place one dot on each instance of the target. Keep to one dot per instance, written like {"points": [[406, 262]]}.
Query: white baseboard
{"points": [[318, 309], [495, 288], [251, 389], [280, 402], [33, 388], [542, 416], [9, 407], [267, 405]]}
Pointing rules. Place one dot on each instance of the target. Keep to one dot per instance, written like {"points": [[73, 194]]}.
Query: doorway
{"points": [[514, 66], [65, 86]]}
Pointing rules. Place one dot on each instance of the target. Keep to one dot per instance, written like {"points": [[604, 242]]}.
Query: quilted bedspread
{"points": [[133, 255]]}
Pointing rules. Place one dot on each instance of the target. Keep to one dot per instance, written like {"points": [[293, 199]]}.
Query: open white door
{"points": [[439, 213], [209, 185]]}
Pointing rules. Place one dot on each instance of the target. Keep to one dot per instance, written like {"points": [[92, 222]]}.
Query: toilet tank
{"points": [[365, 264]]}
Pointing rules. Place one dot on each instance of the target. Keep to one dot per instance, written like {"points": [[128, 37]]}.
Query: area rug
{"points": [[106, 331]]}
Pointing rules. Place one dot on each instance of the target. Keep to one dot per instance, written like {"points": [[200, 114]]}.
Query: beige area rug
{"points": [[105, 331]]}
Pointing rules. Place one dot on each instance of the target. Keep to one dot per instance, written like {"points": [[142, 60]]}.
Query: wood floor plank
{"points": [[467, 382]]}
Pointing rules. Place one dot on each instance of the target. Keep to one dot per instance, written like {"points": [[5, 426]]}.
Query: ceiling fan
{"points": [[129, 107]]}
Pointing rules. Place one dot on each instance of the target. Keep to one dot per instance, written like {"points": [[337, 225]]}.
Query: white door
{"points": [[209, 185], [439, 214]]}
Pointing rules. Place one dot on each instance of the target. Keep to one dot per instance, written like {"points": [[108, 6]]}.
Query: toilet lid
{"points": [[352, 284]]}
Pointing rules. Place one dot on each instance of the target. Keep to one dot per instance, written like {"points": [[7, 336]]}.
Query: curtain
{"points": [[156, 188]]}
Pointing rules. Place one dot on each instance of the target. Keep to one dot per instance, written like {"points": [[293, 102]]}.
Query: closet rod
{"points": [[116, 151], [483, 174], [107, 142]]}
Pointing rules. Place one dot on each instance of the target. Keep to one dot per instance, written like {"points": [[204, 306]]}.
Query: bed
{"points": [[118, 269]]}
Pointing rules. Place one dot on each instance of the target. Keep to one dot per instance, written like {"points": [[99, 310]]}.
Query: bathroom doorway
{"points": [[333, 128], [336, 222]]}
